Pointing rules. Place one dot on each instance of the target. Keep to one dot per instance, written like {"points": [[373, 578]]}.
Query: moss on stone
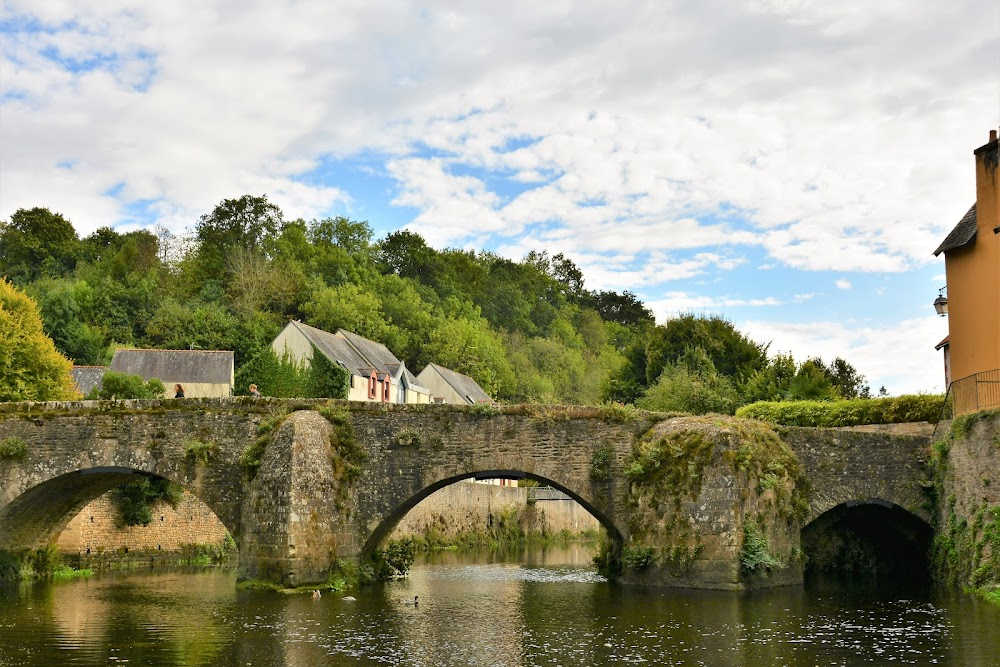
{"points": [[965, 552], [667, 468]]}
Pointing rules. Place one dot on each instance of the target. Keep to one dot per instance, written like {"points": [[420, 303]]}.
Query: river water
{"points": [[538, 607]]}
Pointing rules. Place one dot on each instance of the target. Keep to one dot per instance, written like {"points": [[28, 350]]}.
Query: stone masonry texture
{"points": [[297, 515]]}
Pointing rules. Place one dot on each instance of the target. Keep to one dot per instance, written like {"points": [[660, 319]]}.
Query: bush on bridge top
{"points": [[855, 412]]}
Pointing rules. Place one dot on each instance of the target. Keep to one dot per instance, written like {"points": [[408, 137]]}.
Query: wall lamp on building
{"points": [[941, 302]]}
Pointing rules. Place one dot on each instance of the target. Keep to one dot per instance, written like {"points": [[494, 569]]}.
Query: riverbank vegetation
{"points": [[509, 527], [44, 563]]}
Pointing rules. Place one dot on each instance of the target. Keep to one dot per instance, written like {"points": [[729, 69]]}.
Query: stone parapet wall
{"points": [[466, 508], [94, 531]]}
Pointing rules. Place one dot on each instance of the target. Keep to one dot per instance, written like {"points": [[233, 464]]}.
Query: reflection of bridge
{"points": [[304, 508]]}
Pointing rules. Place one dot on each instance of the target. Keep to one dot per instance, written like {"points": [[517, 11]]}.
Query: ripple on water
{"points": [[484, 573]]}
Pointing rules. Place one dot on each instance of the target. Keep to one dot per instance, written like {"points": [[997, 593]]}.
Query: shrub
{"points": [[895, 410], [638, 558], [755, 557], [285, 378], [135, 499], [13, 448], [392, 561], [202, 452], [600, 464], [122, 385], [408, 437]]}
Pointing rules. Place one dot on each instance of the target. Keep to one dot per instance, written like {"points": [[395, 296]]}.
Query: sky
{"points": [[788, 164]]}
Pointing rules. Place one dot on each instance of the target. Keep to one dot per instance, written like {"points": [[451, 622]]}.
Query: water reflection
{"points": [[548, 608]]}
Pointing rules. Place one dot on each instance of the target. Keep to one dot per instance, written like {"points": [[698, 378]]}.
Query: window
{"points": [[372, 381], [386, 386]]}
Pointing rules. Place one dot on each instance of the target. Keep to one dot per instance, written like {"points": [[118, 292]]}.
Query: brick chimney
{"points": [[987, 190]]}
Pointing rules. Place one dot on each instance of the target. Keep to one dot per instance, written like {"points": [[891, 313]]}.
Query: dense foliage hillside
{"points": [[526, 331]]}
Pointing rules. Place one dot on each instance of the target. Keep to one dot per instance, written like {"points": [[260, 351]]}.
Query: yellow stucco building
{"points": [[972, 266]]}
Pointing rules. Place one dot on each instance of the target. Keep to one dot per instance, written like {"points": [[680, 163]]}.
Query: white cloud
{"points": [[901, 357], [842, 283], [836, 137], [793, 136], [678, 303]]}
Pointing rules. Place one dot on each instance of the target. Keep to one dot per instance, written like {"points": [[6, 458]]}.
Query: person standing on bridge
{"points": [[254, 391], [178, 391]]}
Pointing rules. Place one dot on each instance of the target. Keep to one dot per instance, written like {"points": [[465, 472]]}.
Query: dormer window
{"points": [[386, 385], [372, 385]]}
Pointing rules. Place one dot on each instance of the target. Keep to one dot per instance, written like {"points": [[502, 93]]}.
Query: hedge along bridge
{"points": [[331, 479]]}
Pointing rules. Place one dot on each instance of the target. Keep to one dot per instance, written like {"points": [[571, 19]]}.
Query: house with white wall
{"points": [[376, 374]]}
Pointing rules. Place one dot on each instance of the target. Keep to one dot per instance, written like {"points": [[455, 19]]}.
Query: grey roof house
{"points": [[376, 373], [448, 386], [202, 373]]}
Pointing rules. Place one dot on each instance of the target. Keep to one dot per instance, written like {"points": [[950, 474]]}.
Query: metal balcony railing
{"points": [[978, 391], [536, 493]]}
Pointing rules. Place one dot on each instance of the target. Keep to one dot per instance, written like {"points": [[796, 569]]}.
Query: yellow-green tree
{"points": [[31, 369]]}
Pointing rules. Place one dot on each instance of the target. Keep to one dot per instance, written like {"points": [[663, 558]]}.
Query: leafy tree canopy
{"points": [[31, 369], [37, 242], [526, 330], [248, 223]]}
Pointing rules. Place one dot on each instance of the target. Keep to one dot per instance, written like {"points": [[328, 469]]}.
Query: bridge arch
{"points": [[385, 527], [37, 515], [868, 535]]}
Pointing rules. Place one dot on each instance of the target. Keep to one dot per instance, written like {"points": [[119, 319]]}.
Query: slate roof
{"points": [[466, 387], [963, 234], [88, 377], [336, 349], [197, 366], [358, 354], [944, 341], [378, 355]]}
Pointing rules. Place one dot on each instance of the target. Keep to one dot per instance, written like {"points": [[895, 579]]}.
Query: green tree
{"points": [[353, 237], [31, 369], [325, 379], [624, 308], [37, 242], [812, 382], [732, 353], [249, 223], [693, 385], [64, 304], [274, 376], [772, 382], [470, 347], [284, 378], [848, 381], [349, 307]]}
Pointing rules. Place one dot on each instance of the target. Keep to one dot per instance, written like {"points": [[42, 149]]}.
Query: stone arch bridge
{"points": [[328, 489]]}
